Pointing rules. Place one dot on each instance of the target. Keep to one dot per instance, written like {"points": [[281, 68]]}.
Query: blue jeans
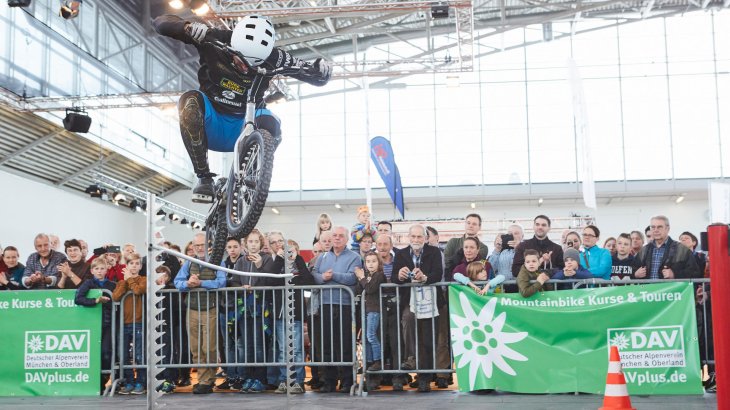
{"points": [[252, 333], [281, 345], [138, 344], [233, 345], [372, 341]]}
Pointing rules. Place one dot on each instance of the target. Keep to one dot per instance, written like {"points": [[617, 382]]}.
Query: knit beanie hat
{"points": [[572, 254]]}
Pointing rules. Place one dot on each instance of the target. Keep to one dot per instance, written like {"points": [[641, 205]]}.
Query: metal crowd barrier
{"points": [[246, 340], [394, 318]]}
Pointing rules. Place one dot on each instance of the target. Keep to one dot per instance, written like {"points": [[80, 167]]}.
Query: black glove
{"points": [[323, 69]]}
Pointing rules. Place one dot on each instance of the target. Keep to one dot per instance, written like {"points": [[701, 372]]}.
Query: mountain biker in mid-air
{"points": [[213, 116]]}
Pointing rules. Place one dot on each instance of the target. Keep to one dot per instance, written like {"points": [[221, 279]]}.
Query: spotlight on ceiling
{"points": [[195, 225], [338, 206], [275, 210], [440, 11], [199, 7], [540, 201], [18, 3], [679, 199], [176, 4], [174, 217], [473, 205], [137, 206], [184, 222], [161, 212], [94, 190], [119, 197]]}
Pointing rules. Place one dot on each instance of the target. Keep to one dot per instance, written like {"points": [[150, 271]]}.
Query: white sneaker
{"points": [[297, 389], [281, 389]]}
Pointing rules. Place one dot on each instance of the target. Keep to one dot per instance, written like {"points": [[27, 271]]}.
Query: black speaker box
{"points": [[77, 122]]}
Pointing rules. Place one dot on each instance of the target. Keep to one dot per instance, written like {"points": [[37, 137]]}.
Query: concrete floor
{"points": [[377, 400]]}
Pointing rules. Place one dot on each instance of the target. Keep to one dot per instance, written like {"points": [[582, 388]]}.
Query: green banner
{"points": [[558, 342], [51, 346]]}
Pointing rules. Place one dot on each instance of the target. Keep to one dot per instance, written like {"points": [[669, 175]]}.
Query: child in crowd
{"points": [[475, 271], [622, 261], [324, 223], [302, 277], [11, 271], [99, 281], [530, 271], [133, 324], [369, 281], [254, 323], [362, 227], [572, 269]]}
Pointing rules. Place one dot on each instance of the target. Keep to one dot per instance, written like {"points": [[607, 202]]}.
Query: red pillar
{"points": [[717, 235]]}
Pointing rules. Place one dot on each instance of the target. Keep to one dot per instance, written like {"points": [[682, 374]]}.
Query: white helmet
{"points": [[253, 37]]}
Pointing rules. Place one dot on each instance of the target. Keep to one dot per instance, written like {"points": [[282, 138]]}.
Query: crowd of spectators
{"points": [[405, 328]]}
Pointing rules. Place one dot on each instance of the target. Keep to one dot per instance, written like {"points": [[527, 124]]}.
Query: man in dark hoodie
{"points": [[551, 253]]}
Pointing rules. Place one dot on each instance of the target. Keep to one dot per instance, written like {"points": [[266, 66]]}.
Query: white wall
{"points": [[30, 207]]}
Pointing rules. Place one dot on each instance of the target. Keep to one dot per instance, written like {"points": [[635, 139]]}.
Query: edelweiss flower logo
{"points": [[480, 341], [35, 344], [620, 340]]}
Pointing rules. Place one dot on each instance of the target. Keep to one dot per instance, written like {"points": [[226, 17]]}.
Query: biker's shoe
{"points": [[204, 190]]}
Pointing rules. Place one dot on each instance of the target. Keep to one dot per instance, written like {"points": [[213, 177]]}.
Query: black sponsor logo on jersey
{"points": [[231, 85], [227, 101]]}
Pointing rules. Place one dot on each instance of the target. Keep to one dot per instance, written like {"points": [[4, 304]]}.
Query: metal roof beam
{"points": [[30, 146], [86, 169]]}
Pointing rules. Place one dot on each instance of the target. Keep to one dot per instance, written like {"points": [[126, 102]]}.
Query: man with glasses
{"points": [[337, 267], [202, 314], [551, 254], [663, 257]]}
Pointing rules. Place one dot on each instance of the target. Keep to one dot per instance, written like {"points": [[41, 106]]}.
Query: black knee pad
{"points": [[270, 124], [191, 110]]}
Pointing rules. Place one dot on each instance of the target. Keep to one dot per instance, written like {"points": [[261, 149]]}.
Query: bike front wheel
{"points": [[215, 235], [248, 189]]}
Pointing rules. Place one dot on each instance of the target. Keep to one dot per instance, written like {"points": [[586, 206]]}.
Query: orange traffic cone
{"points": [[616, 396]]}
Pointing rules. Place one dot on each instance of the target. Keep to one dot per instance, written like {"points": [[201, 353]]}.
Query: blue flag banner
{"points": [[382, 154]]}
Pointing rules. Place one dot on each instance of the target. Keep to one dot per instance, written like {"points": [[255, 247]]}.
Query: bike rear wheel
{"points": [[216, 233], [248, 190]]}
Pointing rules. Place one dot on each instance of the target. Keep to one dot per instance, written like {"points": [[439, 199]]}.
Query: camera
{"points": [[506, 239], [570, 244], [411, 275], [114, 249]]}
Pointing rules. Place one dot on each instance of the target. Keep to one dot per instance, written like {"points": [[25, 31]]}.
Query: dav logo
{"points": [[648, 347], [62, 341], [57, 349]]}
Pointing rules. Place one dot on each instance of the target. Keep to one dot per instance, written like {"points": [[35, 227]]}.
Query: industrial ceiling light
{"points": [[137, 206], [174, 217], [161, 212], [199, 7], [94, 190], [679, 199], [70, 9], [185, 223], [473, 205], [118, 197], [195, 225], [274, 210], [176, 4], [540, 201], [338, 206], [440, 11], [18, 3]]}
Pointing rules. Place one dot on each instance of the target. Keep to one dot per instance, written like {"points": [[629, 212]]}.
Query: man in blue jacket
{"points": [[337, 267]]}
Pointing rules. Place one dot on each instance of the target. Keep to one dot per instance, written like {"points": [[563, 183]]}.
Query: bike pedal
{"points": [[202, 199]]}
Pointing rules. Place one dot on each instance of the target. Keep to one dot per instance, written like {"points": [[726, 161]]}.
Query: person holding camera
{"points": [[550, 253], [419, 263], [504, 251]]}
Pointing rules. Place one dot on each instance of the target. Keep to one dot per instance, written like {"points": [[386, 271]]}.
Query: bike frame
{"points": [[250, 127]]}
